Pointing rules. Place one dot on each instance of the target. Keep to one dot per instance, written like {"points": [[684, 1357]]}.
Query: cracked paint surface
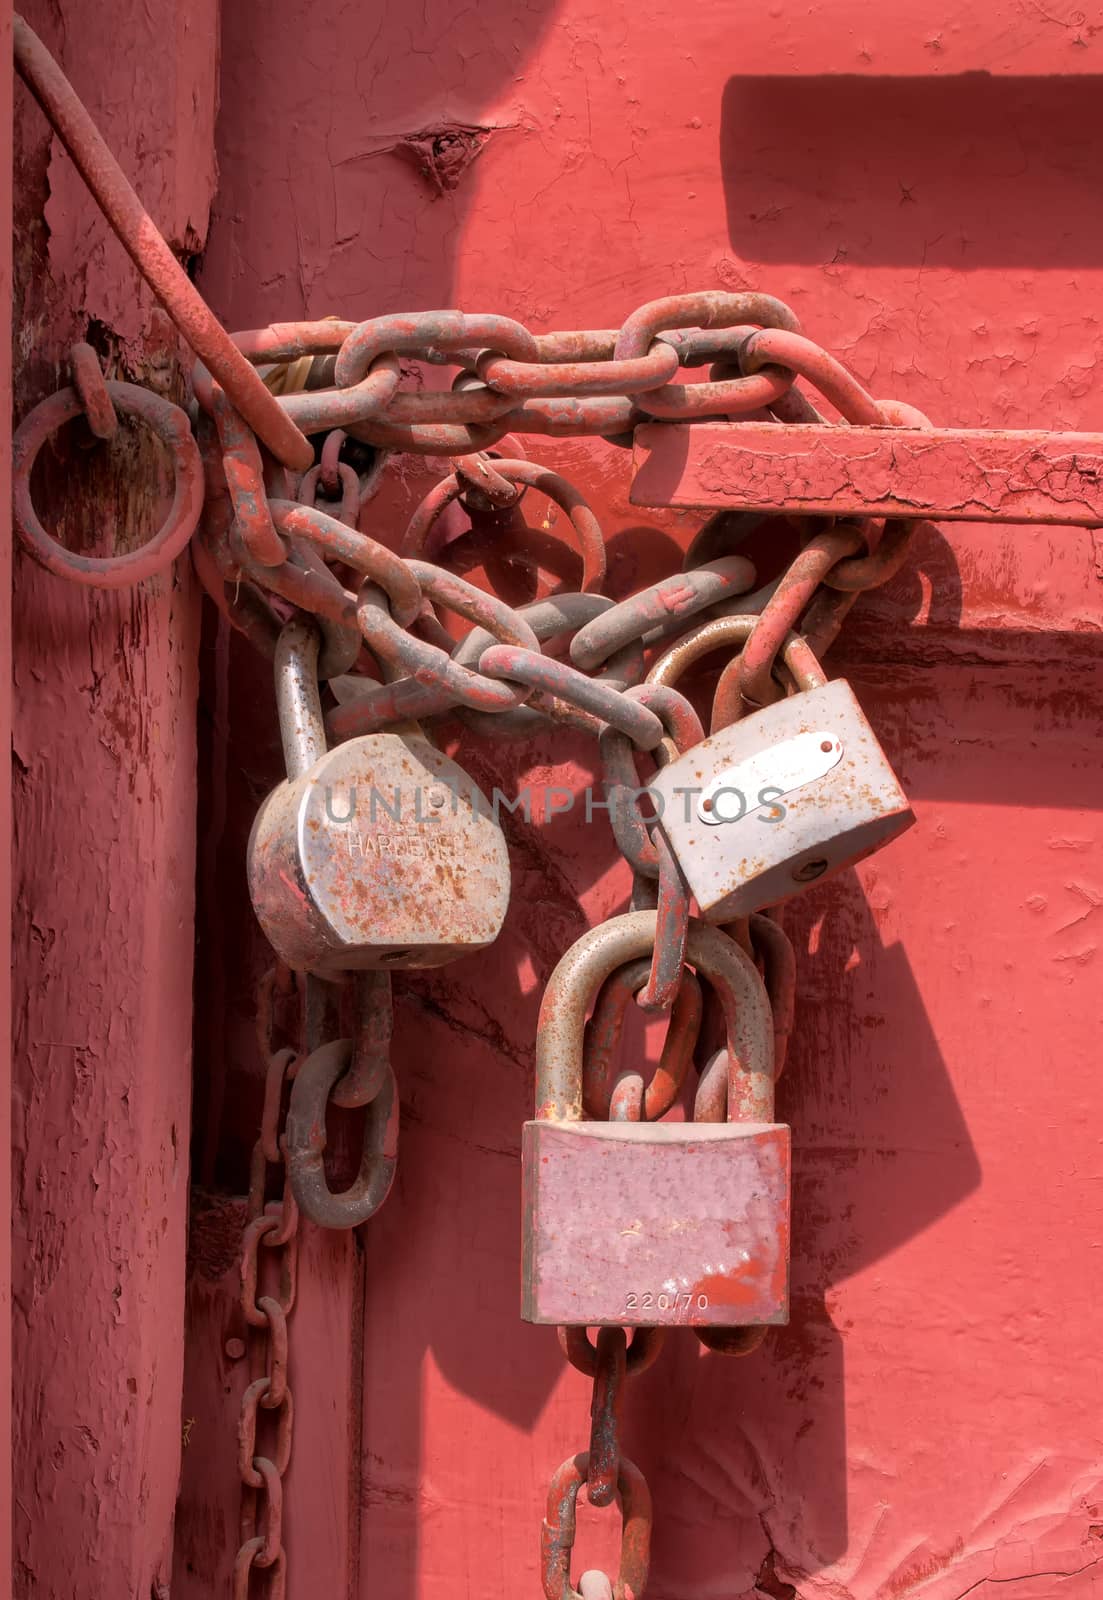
{"points": [[103, 782], [919, 183], [945, 474]]}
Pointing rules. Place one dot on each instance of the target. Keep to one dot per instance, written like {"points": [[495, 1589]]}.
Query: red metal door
{"points": [[920, 186], [915, 185]]}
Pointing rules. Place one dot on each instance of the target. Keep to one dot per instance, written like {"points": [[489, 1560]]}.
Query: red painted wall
{"points": [[920, 183]]}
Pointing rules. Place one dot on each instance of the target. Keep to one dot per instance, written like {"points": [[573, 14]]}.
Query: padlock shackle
{"points": [[724, 632], [298, 702], [579, 975]]}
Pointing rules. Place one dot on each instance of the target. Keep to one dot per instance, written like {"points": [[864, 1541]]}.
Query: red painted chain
{"points": [[269, 1260], [603, 1468]]}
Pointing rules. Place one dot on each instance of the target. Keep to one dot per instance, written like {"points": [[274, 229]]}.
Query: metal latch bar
{"points": [[946, 474]]}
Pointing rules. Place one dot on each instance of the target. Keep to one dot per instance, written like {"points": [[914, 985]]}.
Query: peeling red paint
{"points": [[103, 850], [443, 155], [945, 474], [921, 1426], [944, 1276]]}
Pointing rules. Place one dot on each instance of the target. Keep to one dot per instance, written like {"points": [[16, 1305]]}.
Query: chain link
{"points": [[603, 1468], [269, 1258]]}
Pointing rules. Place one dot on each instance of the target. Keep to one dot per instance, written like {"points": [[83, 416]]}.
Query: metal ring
{"points": [[602, 1042], [602, 700], [243, 470], [660, 609], [543, 381], [424, 333], [345, 478], [559, 613], [781, 347], [370, 560], [434, 682], [531, 474], [306, 581], [171, 426], [681, 731], [782, 611], [245, 609], [708, 309]]}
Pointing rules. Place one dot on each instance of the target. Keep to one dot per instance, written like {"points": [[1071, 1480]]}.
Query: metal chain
{"points": [[347, 385], [603, 1468], [269, 1261]]}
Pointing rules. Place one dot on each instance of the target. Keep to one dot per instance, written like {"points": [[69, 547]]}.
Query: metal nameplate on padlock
{"points": [[652, 1223], [380, 853], [780, 800]]}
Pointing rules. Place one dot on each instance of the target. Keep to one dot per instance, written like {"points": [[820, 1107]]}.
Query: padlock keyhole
{"points": [[810, 870]]}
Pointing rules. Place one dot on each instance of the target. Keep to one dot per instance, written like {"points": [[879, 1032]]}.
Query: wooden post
{"points": [[5, 817], [104, 803]]}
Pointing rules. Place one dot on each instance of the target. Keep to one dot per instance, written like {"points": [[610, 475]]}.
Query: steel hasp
{"points": [[944, 474]]}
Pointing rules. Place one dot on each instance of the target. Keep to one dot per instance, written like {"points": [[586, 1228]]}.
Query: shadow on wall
{"points": [[345, 139], [879, 170], [960, 171]]}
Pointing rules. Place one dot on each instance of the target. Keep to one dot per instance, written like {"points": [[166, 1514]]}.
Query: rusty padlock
{"points": [[643, 1224], [379, 853], [782, 799]]}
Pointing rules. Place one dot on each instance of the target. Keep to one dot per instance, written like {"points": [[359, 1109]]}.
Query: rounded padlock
{"points": [[379, 853]]}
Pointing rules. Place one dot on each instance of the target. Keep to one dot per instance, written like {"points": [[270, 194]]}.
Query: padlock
{"points": [[784, 798], [379, 853], [645, 1224]]}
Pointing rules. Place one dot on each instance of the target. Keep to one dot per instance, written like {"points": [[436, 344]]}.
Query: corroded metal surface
{"points": [[558, 1533], [306, 1140], [782, 841], [945, 474], [673, 1224], [384, 853]]}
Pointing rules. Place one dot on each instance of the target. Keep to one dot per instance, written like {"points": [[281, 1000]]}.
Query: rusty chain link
{"points": [[603, 1468], [269, 1260]]}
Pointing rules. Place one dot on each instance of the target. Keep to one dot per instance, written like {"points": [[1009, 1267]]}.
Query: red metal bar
{"points": [[946, 475], [151, 255]]}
